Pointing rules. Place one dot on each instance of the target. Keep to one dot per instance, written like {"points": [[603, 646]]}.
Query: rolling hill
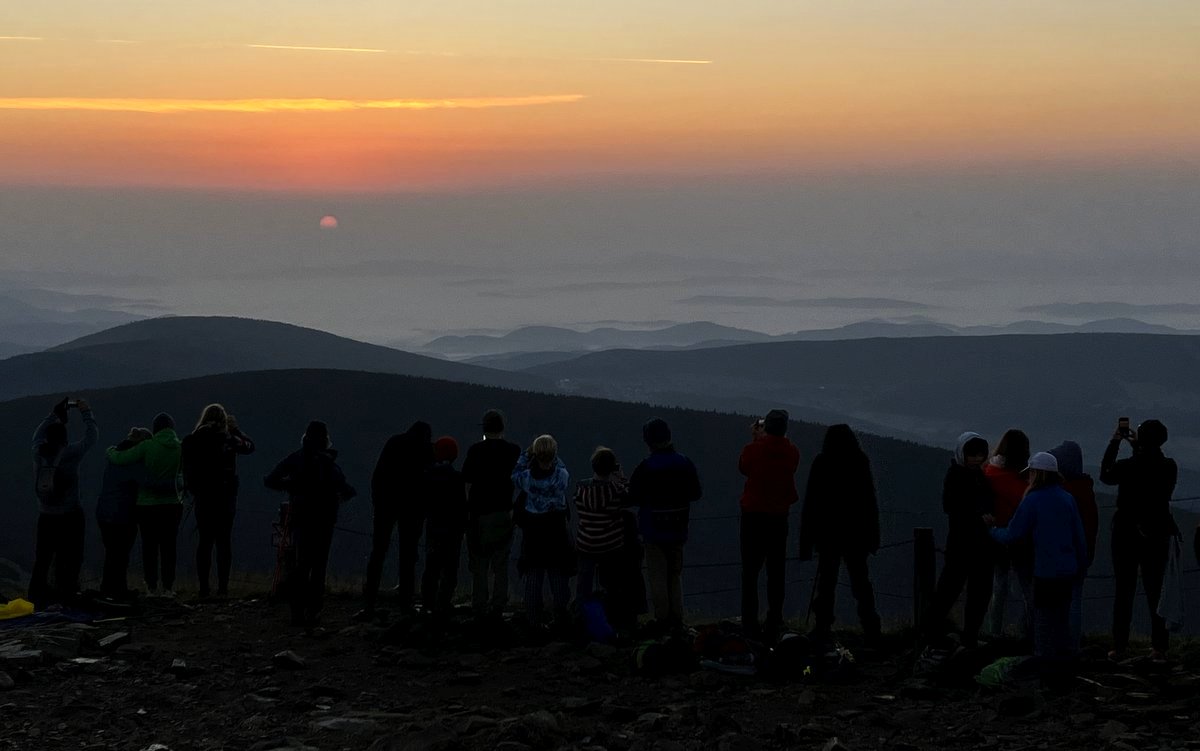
{"points": [[1055, 387], [163, 349]]}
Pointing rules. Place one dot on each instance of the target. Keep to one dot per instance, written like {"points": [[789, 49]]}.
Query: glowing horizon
{"points": [[764, 87]]}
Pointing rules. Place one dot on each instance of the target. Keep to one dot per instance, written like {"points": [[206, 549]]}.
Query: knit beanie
{"points": [[445, 449]]}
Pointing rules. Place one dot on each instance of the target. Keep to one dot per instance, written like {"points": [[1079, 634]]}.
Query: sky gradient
{"points": [[300, 95]]}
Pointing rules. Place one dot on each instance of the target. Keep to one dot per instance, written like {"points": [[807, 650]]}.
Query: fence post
{"points": [[924, 573]]}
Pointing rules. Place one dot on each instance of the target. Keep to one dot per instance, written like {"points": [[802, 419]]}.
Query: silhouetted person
{"points": [[663, 487], [445, 525], [600, 502], [60, 525], [1142, 527], [769, 463], [1005, 471], [209, 463], [970, 551], [397, 498], [488, 472], [159, 508], [546, 549], [1048, 518], [1081, 487], [115, 515], [840, 521], [316, 487]]}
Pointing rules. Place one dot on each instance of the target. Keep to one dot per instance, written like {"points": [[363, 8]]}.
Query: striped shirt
{"points": [[600, 505]]}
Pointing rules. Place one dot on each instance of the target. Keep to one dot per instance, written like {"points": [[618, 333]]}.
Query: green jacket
{"points": [[161, 456]]}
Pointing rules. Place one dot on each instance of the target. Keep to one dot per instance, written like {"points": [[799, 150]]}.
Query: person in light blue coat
{"points": [[1049, 517]]}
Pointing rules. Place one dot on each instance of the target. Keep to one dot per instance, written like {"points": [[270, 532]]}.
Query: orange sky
{"points": [[463, 94]]}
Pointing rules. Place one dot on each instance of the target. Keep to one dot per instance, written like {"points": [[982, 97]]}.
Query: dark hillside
{"points": [[1073, 385], [164, 349]]}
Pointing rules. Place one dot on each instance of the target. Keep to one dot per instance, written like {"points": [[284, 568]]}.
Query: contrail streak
{"points": [[314, 49], [258, 106], [22, 39], [648, 60]]}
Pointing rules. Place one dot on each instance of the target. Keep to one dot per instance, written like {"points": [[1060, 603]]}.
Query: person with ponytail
{"points": [[210, 474]]}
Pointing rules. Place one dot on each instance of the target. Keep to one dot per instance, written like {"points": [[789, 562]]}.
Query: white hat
{"points": [[1043, 461]]}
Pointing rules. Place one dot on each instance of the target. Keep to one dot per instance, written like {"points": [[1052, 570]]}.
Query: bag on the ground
{"points": [[595, 620], [999, 672]]}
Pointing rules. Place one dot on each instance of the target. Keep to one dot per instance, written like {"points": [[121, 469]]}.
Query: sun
{"points": [[329, 221]]}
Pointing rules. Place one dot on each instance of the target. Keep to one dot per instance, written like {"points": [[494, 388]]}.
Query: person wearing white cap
{"points": [[1050, 518]]}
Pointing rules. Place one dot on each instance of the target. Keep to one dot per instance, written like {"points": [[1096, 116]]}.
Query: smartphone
{"points": [[72, 403], [1123, 427]]}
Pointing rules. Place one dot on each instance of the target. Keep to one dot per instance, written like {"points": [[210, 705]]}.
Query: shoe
{"points": [[1115, 656], [1158, 657], [366, 615], [168, 594]]}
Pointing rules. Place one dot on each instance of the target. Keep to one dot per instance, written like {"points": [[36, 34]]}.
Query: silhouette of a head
{"points": [[1152, 434], [656, 433], [776, 422], [493, 421], [445, 449], [163, 421], [316, 436]]}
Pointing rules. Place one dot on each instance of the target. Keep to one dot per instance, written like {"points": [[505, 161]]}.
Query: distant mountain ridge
{"points": [[170, 348], [35, 318], [553, 338], [529, 346], [930, 388]]}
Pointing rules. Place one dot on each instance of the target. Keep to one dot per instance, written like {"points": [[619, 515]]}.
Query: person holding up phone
{"points": [[1142, 526], [60, 523]]}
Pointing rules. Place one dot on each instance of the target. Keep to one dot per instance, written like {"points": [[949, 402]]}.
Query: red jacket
{"points": [[1009, 489], [770, 465]]}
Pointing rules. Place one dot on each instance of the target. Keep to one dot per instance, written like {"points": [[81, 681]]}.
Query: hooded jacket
{"points": [[966, 497], [769, 465], [1145, 483], [1081, 487], [841, 510], [68, 460], [161, 456], [1049, 518]]}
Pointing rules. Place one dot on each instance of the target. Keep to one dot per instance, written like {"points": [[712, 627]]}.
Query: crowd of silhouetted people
{"points": [[1016, 517]]}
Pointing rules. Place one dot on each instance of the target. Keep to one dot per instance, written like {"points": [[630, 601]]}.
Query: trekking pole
{"points": [[811, 596]]}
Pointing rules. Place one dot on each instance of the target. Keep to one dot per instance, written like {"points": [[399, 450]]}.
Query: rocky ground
{"points": [[232, 675]]}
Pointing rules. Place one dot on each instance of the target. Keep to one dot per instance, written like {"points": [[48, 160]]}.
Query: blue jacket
{"points": [[544, 493], [663, 487], [1051, 518]]}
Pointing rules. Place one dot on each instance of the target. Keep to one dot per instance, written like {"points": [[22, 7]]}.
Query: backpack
{"points": [[48, 485]]}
